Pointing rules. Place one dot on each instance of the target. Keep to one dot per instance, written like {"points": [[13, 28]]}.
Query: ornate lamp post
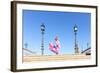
{"points": [[42, 40], [76, 45]]}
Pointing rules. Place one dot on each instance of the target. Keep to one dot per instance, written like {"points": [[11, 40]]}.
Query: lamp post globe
{"points": [[75, 28], [42, 27]]}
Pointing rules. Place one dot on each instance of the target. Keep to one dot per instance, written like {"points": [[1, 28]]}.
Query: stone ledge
{"points": [[55, 57]]}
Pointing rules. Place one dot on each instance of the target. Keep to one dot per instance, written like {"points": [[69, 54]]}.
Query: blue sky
{"points": [[56, 24]]}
